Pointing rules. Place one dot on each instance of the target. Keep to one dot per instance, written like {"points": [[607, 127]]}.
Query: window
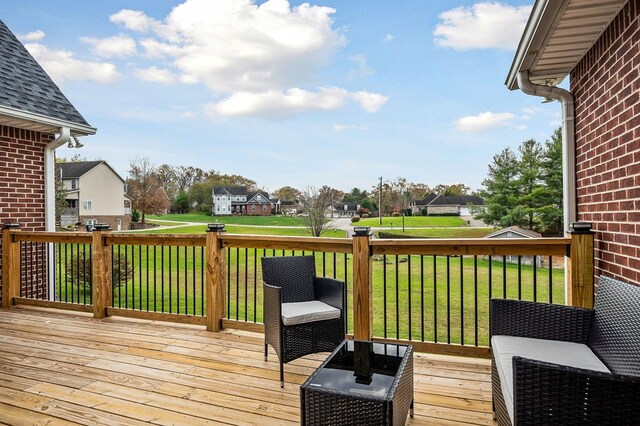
{"points": [[86, 205], [264, 208], [253, 208], [74, 183]]}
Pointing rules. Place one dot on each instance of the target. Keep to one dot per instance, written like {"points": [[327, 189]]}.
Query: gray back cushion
{"points": [[615, 331]]}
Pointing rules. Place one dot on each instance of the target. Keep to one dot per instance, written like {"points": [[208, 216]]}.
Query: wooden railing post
{"points": [[581, 266], [362, 297], [101, 271], [216, 279], [10, 264]]}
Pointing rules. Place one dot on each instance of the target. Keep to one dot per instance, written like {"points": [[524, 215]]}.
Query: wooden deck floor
{"points": [[67, 368]]}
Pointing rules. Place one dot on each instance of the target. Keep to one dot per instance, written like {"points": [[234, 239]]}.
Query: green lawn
{"points": [[240, 220], [437, 233], [413, 221], [201, 229]]}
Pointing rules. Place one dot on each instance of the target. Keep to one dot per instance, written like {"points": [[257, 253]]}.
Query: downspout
{"points": [[50, 199], [568, 141]]}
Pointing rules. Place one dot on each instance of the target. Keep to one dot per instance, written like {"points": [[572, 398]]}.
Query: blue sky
{"points": [[329, 92]]}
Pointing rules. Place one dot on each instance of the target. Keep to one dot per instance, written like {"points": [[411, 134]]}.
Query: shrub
{"points": [[78, 270], [355, 219], [395, 214], [135, 215], [424, 212], [364, 215]]}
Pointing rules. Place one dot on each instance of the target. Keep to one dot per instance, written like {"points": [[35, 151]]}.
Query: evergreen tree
{"points": [[529, 184], [500, 190], [551, 198]]}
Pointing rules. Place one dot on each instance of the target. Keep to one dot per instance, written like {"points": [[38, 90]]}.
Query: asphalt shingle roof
{"points": [[76, 169], [25, 86], [231, 190]]}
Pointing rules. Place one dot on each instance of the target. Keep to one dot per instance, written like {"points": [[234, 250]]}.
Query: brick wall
{"points": [[606, 87], [22, 178]]}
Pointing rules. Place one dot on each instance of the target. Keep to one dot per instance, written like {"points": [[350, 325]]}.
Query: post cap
{"points": [[11, 225], [102, 227], [361, 231], [580, 228], [215, 227]]}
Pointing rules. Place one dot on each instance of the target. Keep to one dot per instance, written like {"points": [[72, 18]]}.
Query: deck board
{"points": [[68, 368]]}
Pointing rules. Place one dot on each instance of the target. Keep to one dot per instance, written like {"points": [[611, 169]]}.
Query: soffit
{"points": [[555, 41]]}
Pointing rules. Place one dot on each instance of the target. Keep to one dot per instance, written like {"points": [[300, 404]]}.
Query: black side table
{"points": [[361, 383]]}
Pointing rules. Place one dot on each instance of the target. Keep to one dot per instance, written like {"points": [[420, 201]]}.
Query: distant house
{"points": [[514, 232], [347, 209], [518, 232], [227, 200], [94, 193], [436, 204], [288, 207]]}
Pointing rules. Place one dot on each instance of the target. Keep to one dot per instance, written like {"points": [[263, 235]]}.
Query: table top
{"points": [[360, 367]]}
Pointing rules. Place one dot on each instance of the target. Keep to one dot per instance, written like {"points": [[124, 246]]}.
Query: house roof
{"points": [[253, 198], [231, 190], [29, 99], [525, 233], [75, 169], [557, 36], [448, 200]]}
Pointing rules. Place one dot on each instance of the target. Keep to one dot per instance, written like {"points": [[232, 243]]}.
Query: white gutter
{"points": [[568, 141], [50, 198]]}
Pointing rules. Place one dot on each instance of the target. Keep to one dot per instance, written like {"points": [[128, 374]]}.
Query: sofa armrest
{"points": [[330, 291], [539, 320], [550, 393]]}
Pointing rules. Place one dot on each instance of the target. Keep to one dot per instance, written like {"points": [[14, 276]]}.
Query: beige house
{"points": [[94, 193]]}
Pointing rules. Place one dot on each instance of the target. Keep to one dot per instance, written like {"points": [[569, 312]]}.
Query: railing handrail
{"points": [[51, 237], [473, 246], [189, 240], [278, 242]]}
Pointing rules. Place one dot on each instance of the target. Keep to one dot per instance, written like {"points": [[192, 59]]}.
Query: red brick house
{"points": [[35, 119], [596, 44]]}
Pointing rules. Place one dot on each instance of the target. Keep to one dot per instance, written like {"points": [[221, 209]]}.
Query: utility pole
{"points": [[380, 202]]}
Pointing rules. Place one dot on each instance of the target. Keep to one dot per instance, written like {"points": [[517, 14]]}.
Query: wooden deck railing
{"points": [[360, 253]]}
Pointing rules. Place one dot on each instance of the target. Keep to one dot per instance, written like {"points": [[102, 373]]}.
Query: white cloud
{"points": [[61, 65], [363, 69], [291, 101], [481, 26], [340, 127], [36, 35], [248, 53], [388, 37], [156, 75], [110, 47], [133, 20], [370, 102], [484, 121]]}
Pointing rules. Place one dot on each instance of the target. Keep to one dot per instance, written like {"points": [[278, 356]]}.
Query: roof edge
{"points": [[539, 19], [76, 129]]}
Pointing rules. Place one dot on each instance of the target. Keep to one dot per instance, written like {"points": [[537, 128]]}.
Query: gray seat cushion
{"points": [[304, 312], [564, 353]]}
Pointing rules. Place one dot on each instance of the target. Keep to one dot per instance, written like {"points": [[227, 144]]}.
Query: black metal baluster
{"points": [[229, 283], [346, 299], [422, 298], [246, 282], [435, 300], [384, 292], [72, 263], [490, 278], [155, 281], [448, 299], [133, 277], [334, 265], [202, 280], [255, 284], [147, 262], [120, 278], [140, 277], [535, 278], [58, 297], [170, 281], [397, 298], [550, 279], [324, 265], [162, 276], [238, 280], [193, 271], [85, 272], [461, 299], [475, 298], [126, 277], [177, 279], [409, 291]]}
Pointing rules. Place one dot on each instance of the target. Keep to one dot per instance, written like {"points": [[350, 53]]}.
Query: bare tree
{"points": [[314, 206], [144, 187]]}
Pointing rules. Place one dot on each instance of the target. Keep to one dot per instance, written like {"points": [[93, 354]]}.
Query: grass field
{"points": [[438, 233], [413, 221], [240, 220], [233, 229]]}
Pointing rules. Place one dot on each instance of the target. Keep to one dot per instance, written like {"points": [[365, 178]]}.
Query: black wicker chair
{"points": [[546, 391], [303, 314]]}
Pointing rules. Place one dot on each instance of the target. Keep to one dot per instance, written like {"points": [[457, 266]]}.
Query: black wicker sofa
{"points": [[555, 364]]}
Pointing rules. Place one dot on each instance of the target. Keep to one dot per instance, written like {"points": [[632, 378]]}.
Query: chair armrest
{"points": [[330, 291], [545, 393], [272, 304], [539, 320]]}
